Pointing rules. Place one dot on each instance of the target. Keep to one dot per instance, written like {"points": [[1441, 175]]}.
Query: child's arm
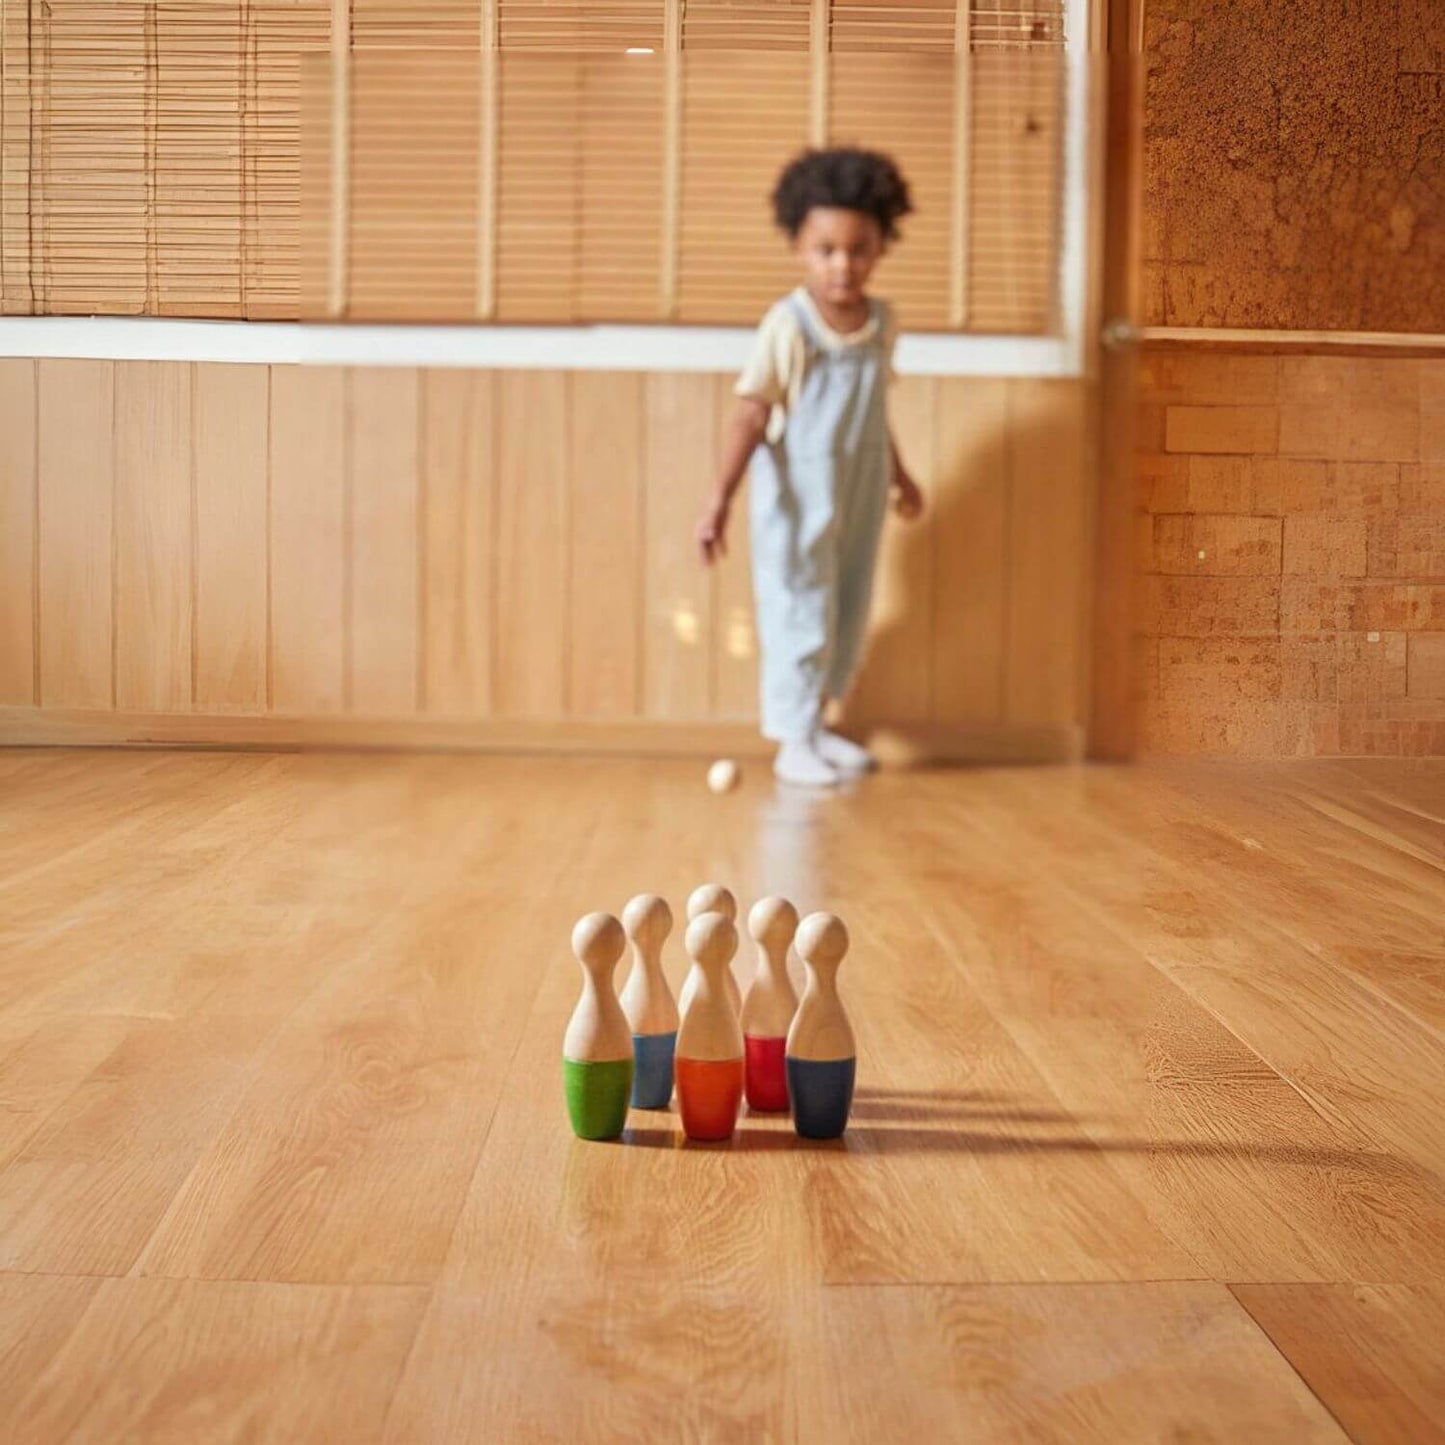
{"points": [[907, 497], [745, 430]]}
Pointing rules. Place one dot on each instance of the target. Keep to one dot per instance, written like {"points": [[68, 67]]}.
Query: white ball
{"points": [[723, 776]]}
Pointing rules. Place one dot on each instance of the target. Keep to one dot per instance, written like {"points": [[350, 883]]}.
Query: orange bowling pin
{"points": [[709, 1039]]}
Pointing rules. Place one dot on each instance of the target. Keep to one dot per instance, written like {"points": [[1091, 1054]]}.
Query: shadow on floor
{"points": [[903, 1142]]}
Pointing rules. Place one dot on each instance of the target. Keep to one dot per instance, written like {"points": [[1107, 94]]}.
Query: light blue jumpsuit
{"points": [[817, 501]]}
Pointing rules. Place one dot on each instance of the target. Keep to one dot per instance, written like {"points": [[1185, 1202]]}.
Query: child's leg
{"points": [[862, 509], [794, 595]]}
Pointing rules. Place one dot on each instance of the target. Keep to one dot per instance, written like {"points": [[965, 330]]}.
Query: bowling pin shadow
{"points": [[974, 1096], [921, 1113], [909, 1141], [759, 1141], [658, 1136], [861, 1139]]}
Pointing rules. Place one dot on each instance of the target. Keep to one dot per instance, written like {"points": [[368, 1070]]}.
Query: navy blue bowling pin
{"points": [[648, 1003], [821, 1058]]}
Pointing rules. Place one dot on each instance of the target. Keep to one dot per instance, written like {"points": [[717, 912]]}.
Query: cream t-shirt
{"points": [[775, 371]]}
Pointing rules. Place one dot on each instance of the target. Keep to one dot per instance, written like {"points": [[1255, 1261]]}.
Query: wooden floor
{"points": [[1148, 1141]]}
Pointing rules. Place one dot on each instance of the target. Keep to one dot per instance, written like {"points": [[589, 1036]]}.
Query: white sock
{"points": [[800, 762], [843, 753]]}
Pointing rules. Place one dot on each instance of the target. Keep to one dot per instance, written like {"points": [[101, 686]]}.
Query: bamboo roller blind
{"points": [[513, 160]]}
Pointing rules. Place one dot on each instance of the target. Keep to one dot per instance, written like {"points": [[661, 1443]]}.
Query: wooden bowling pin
{"points": [[822, 1058], [597, 1048], [769, 1006], [647, 1001], [709, 1039], [712, 898]]}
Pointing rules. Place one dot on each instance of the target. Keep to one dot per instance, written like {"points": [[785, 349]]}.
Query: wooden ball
{"points": [[723, 776]]}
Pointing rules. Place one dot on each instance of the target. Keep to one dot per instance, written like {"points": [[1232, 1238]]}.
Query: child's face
{"points": [[839, 250]]}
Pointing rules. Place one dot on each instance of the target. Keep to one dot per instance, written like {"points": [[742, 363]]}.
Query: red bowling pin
{"points": [[769, 1006]]}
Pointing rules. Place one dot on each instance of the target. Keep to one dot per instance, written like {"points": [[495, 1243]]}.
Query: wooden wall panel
{"points": [[532, 599], [897, 677], [17, 531], [682, 431], [1048, 515], [231, 422], [503, 555], [153, 536], [735, 638], [458, 503], [972, 548], [77, 535], [605, 547], [383, 573], [308, 539]]}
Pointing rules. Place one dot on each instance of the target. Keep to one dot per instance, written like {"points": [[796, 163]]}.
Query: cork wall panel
{"points": [[1294, 165], [1292, 529]]}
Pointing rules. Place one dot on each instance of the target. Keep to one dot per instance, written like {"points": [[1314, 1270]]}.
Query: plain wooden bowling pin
{"points": [[769, 1005], [597, 1047], [822, 1058], [648, 1003], [709, 1039], [712, 898]]}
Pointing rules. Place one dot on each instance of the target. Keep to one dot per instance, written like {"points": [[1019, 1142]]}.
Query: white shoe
{"points": [[800, 762], [844, 754]]}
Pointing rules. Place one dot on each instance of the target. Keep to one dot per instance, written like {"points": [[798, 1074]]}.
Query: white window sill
{"points": [[560, 348]]}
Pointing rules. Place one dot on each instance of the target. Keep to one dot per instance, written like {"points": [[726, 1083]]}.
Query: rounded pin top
{"points": [[647, 920], [773, 922], [712, 939], [822, 939], [712, 898], [598, 941]]}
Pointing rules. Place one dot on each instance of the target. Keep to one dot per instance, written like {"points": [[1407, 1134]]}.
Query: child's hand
{"points": [[907, 498], [712, 529]]}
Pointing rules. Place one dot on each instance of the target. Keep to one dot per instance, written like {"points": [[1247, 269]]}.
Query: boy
{"points": [[811, 418]]}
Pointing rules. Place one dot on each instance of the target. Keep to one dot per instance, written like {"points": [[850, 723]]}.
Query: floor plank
{"points": [[39, 1313], [188, 1360], [1056, 1363], [1372, 1353]]}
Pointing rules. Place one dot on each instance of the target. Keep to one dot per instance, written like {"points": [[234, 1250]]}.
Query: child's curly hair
{"points": [[847, 178]]}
